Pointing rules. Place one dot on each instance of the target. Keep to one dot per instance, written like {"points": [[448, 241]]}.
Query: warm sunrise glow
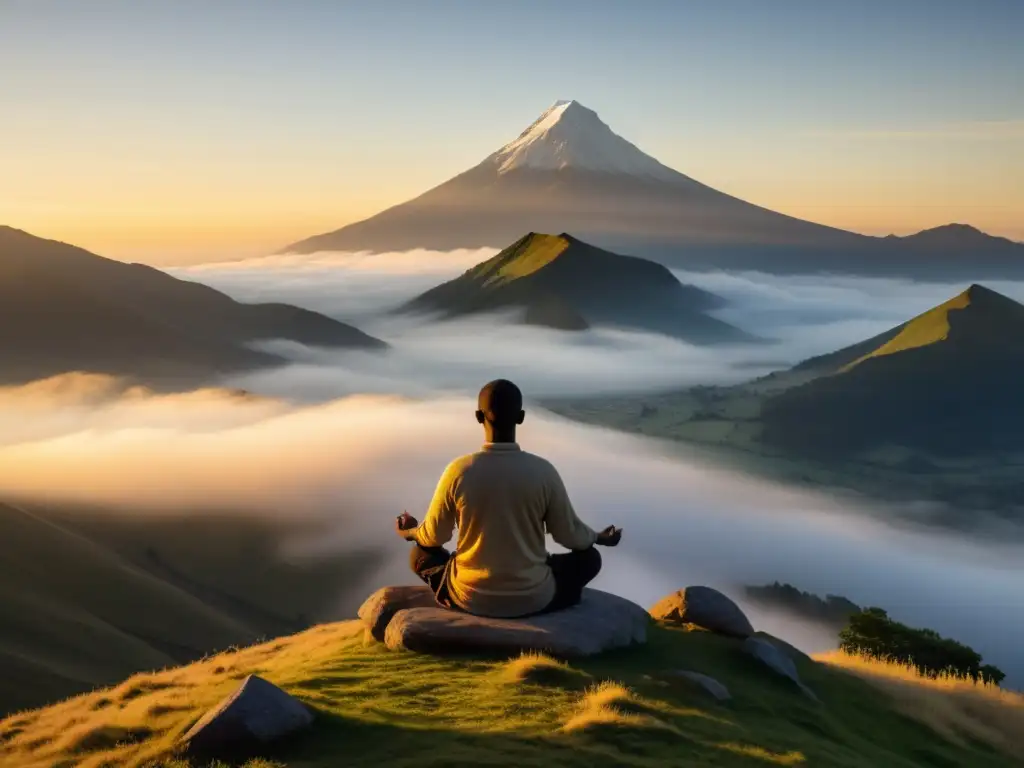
{"points": [[141, 133]]}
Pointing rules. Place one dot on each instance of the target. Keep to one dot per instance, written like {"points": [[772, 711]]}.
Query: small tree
{"points": [[872, 633]]}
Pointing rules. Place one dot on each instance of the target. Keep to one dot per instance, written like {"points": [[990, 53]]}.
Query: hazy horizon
{"points": [[188, 132]]}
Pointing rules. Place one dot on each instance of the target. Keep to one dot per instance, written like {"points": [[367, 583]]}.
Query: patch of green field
{"points": [[376, 707]]}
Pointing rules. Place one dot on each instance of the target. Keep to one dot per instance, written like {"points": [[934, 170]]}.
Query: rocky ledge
{"points": [[408, 618]]}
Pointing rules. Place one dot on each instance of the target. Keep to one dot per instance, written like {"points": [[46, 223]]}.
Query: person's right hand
{"points": [[404, 523], [609, 537]]}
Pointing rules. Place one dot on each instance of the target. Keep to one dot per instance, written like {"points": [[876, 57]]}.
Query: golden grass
{"points": [[927, 328], [781, 758], [92, 739], [611, 704], [535, 254], [378, 707], [256, 763], [957, 708], [541, 669], [141, 719]]}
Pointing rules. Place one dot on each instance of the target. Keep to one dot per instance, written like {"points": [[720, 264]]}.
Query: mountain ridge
{"points": [[63, 308]]}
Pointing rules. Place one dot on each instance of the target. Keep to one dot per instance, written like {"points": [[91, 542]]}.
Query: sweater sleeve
{"points": [[561, 520], [439, 523]]}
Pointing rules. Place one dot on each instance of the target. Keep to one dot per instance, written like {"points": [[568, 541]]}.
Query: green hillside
{"points": [[929, 410], [88, 597], [377, 707], [945, 385], [561, 282]]}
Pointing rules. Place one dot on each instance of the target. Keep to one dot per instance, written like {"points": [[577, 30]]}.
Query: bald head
{"points": [[500, 406]]}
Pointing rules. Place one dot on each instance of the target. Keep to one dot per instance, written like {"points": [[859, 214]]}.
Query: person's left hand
{"points": [[405, 523], [609, 537]]}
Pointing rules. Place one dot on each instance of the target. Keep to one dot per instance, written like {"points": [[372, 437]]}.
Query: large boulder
{"points": [[256, 715], [378, 609], [600, 621], [777, 660], [706, 608]]}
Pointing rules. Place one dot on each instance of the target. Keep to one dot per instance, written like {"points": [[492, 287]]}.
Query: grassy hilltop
{"points": [[377, 707], [558, 281]]}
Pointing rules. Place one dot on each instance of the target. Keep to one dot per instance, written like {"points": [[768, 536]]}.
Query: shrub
{"points": [[872, 633]]}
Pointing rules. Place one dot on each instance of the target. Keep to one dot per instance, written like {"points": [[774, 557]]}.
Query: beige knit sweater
{"points": [[502, 500]]}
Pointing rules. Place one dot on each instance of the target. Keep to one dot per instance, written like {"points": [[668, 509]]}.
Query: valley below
{"points": [[982, 494]]}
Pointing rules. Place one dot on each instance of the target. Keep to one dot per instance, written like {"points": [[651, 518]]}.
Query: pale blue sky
{"points": [[179, 129]]}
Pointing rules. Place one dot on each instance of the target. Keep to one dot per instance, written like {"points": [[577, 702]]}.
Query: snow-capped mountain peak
{"points": [[568, 135]]}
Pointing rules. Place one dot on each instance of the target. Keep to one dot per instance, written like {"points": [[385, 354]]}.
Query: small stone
{"points": [[777, 660], [707, 608], [717, 690], [257, 714]]}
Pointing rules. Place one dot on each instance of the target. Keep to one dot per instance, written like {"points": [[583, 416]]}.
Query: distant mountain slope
{"points": [[564, 283], [929, 411], [568, 171], [959, 238], [90, 596], [947, 382], [833, 611], [63, 309]]}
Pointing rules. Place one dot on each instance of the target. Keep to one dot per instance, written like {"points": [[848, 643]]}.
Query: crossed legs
{"points": [[572, 570]]}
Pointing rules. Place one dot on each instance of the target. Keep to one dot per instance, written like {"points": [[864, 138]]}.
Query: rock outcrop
{"points": [[256, 715], [600, 621], [379, 608], [776, 659], [711, 686], [788, 648], [704, 607]]}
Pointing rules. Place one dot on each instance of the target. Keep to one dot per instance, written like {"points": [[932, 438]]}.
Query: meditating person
{"points": [[503, 500]]}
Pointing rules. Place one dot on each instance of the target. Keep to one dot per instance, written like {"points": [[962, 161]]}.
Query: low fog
{"points": [[802, 316], [355, 438]]}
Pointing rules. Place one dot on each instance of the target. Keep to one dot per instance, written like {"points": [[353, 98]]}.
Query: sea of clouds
{"points": [[354, 438]]}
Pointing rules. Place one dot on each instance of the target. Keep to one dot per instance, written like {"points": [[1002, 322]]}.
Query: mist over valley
{"points": [[332, 445]]}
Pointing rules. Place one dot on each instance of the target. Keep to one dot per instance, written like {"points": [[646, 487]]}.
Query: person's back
{"points": [[503, 501]]}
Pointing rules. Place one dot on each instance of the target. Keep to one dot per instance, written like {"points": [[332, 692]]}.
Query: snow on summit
{"points": [[568, 135]]}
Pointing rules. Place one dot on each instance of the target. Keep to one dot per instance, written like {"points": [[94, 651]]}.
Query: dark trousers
{"points": [[572, 571]]}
